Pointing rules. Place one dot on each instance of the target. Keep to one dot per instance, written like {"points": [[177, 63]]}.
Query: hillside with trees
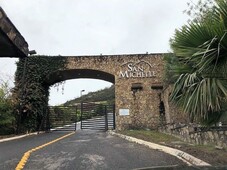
{"points": [[106, 95]]}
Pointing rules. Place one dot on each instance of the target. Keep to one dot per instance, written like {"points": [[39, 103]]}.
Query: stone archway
{"points": [[63, 75], [137, 78]]}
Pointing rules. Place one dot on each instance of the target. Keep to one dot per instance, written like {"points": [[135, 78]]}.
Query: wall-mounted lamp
{"points": [[32, 52], [136, 87], [157, 86]]}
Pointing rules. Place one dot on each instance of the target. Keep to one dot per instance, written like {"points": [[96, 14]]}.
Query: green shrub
{"points": [[7, 119]]}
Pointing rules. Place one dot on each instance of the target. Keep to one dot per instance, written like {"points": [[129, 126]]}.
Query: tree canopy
{"points": [[199, 63], [7, 119]]}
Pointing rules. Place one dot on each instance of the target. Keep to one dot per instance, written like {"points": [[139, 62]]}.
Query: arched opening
{"points": [[63, 75], [71, 89], [88, 110]]}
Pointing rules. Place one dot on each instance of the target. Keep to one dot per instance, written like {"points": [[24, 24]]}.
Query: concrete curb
{"points": [[189, 159], [21, 136]]}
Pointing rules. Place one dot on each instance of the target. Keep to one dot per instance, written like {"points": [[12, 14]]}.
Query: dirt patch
{"points": [[6, 136], [209, 154]]}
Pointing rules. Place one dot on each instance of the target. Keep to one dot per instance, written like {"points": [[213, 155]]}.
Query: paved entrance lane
{"points": [[11, 152], [97, 150]]}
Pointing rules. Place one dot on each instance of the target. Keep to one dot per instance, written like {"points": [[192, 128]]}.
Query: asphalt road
{"points": [[11, 152], [83, 150]]}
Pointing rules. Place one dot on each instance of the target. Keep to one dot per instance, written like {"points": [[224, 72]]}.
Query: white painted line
{"points": [[68, 125], [35, 133], [21, 136]]}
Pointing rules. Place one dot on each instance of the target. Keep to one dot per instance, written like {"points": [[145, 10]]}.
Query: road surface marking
{"points": [[27, 154]]}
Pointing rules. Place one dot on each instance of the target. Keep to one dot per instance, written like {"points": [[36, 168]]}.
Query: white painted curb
{"points": [[189, 159], [21, 136]]}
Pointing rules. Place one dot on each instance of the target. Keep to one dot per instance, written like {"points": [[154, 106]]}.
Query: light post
{"points": [[81, 92], [81, 107]]}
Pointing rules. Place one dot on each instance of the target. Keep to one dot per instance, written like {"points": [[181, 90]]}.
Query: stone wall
{"points": [[178, 124], [141, 105], [172, 113], [191, 133]]}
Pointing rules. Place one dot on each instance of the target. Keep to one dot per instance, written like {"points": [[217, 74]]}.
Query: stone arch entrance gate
{"points": [[137, 78]]}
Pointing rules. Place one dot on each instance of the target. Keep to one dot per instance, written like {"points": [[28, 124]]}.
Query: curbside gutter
{"points": [[189, 159], [21, 136]]}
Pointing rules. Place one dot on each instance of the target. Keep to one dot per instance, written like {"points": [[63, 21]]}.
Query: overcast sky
{"points": [[91, 27]]}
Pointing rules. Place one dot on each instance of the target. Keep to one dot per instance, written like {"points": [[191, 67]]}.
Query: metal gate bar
{"points": [[97, 116], [63, 118]]}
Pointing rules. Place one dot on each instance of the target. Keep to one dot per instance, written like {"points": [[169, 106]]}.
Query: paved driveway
{"points": [[12, 151], [83, 150]]}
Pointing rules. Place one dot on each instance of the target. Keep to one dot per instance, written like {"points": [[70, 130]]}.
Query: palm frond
{"points": [[200, 65], [199, 96]]}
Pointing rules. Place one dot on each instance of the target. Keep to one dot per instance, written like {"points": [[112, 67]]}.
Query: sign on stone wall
{"points": [[123, 112], [140, 69]]}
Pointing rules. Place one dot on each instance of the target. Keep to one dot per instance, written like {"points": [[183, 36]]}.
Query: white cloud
{"points": [[90, 27]]}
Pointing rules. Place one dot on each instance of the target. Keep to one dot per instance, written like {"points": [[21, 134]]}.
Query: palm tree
{"points": [[200, 65]]}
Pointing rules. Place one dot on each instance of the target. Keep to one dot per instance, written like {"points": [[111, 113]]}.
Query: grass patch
{"points": [[206, 153], [151, 136], [207, 148]]}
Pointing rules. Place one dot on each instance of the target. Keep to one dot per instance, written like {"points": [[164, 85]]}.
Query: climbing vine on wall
{"points": [[31, 92]]}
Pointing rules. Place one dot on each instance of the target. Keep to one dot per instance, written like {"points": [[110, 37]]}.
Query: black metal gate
{"points": [[97, 116], [63, 118]]}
